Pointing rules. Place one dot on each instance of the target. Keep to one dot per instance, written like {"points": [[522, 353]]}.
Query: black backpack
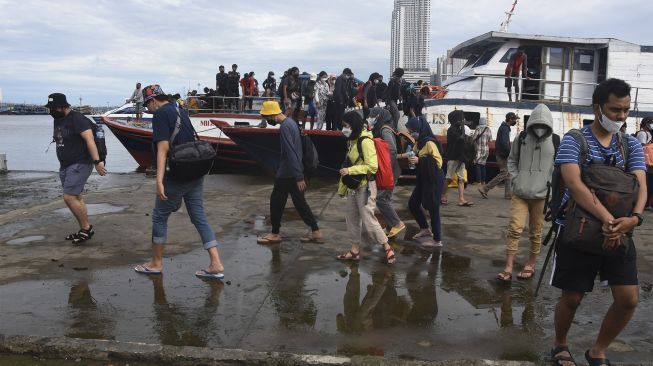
{"points": [[308, 89], [557, 187], [100, 142]]}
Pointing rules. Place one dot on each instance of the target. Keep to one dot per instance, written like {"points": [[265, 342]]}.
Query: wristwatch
{"points": [[96, 162], [640, 219]]}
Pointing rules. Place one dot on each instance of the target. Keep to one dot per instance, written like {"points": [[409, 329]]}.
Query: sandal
{"points": [[72, 236], [557, 358], [84, 235], [526, 273], [443, 201], [390, 256], [312, 239], [595, 361], [349, 256], [504, 276], [422, 234], [465, 204]]}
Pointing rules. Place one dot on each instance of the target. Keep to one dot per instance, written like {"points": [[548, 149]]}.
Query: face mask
{"points": [[371, 121], [271, 121], [346, 131], [57, 114], [376, 81], [608, 124], [539, 131], [415, 135], [324, 79]]}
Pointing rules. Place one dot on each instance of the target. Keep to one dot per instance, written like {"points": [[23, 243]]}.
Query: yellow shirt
{"points": [[429, 149]]}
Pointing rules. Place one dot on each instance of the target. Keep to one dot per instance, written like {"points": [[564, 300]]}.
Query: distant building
{"points": [[411, 26], [446, 66]]}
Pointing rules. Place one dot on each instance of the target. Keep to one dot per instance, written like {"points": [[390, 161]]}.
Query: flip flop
{"points": [[206, 275], [431, 244], [146, 271], [444, 201], [310, 239], [264, 240], [422, 235], [466, 204], [528, 272], [395, 231], [503, 274]]}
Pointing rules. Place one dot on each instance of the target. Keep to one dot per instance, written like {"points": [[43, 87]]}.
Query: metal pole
{"points": [[3, 163], [480, 97]]}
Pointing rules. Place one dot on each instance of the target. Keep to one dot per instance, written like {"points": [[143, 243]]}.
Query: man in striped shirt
{"points": [[574, 271]]}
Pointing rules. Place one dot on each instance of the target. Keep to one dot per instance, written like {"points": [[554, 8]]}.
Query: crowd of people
{"points": [[528, 166]]}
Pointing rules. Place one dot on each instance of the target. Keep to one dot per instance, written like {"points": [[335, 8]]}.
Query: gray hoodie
{"points": [[532, 170]]}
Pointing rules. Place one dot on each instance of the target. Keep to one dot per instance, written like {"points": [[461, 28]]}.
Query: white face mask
{"points": [[371, 121], [346, 131], [540, 131], [608, 124]]}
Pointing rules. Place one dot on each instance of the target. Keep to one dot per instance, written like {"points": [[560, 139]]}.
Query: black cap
{"points": [[510, 115], [398, 72], [234, 65], [347, 71], [57, 100]]}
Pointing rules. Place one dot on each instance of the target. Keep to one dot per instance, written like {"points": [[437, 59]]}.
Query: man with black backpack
{"points": [[393, 94], [501, 152], [78, 154], [617, 158], [289, 178], [530, 164], [171, 127], [456, 141]]}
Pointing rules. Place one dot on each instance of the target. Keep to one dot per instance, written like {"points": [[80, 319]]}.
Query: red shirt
{"points": [[516, 63]]}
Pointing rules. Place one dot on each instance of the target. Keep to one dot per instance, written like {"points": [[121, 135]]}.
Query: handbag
{"points": [[189, 160], [617, 190]]}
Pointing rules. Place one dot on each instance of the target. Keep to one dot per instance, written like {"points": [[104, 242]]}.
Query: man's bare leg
{"points": [[78, 208]]}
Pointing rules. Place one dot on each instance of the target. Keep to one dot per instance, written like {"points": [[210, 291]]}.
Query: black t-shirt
{"points": [[71, 147]]}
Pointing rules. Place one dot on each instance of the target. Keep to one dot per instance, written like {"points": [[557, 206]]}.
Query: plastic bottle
{"points": [[411, 153], [100, 132]]}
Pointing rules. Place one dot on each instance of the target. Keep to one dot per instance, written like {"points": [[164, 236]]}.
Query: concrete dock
{"points": [[292, 302]]}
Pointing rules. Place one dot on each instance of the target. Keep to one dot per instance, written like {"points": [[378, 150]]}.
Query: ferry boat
{"points": [[563, 72]]}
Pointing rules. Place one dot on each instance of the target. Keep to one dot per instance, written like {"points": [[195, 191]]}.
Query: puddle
{"points": [[26, 240], [95, 209]]}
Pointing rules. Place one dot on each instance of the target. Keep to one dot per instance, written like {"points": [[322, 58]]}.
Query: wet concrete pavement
{"points": [[293, 297]]}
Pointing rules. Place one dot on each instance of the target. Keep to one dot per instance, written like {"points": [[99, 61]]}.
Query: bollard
{"points": [[3, 163]]}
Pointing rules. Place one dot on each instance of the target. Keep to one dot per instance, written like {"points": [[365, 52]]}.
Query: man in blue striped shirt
{"points": [[574, 271]]}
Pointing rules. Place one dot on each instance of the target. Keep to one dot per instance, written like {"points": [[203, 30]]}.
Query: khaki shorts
{"points": [[455, 168]]}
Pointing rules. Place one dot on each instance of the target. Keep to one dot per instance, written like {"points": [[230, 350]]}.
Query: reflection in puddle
{"points": [[95, 209], [26, 240]]}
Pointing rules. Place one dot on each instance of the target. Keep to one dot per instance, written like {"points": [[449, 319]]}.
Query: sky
{"points": [[99, 49]]}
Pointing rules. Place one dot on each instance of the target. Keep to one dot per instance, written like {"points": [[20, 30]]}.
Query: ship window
{"points": [[584, 60], [486, 56], [508, 55]]}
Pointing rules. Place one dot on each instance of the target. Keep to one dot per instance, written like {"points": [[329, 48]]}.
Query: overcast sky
{"points": [[99, 49]]}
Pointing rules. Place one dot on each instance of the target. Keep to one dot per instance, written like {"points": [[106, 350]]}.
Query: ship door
{"points": [[555, 71]]}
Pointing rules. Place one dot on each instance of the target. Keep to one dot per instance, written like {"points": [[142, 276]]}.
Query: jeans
{"points": [[278, 199], [386, 208], [481, 173], [192, 194], [415, 206]]}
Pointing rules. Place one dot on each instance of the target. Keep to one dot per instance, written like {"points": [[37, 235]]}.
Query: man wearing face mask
{"points": [[289, 178], [341, 96], [530, 165], [77, 154], [502, 151], [575, 271]]}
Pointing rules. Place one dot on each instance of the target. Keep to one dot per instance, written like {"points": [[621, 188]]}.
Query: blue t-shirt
{"points": [[569, 152], [163, 125]]}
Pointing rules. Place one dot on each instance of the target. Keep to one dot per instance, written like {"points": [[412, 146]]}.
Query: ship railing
{"points": [[203, 103], [563, 97]]}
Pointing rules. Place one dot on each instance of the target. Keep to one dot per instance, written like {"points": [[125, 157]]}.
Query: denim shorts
{"points": [[73, 178]]}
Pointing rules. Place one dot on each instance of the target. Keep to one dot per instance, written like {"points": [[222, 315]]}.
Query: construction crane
{"points": [[509, 14]]}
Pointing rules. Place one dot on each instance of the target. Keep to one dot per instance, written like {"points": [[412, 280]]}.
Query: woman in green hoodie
{"points": [[358, 186]]}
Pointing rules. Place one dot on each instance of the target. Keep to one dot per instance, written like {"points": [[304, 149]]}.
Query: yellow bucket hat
{"points": [[270, 108]]}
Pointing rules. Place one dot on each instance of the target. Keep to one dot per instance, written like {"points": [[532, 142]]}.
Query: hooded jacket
{"points": [[530, 162]]}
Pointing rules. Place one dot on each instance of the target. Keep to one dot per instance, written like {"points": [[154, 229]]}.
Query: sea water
{"points": [[26, 140]]}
